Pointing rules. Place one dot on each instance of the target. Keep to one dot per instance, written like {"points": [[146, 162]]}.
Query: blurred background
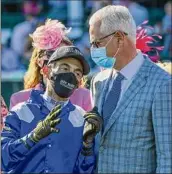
{"points": [[19, 18]]}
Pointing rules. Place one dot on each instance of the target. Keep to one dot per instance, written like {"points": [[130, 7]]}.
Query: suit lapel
{"points": [[102, 91], [138, 82]]}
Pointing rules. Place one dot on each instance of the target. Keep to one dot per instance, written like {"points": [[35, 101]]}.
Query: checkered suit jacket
{"points": [[138, 135]]}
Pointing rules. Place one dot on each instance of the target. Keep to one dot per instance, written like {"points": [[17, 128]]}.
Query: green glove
{"points": [[93, 124], [47, 126]]}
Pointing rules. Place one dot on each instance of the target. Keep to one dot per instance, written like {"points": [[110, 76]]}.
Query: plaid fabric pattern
{"points": [[138, 136]]}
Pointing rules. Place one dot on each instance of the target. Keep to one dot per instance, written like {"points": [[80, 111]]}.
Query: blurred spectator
{"points": [[167, 18], [97, 4], [92, 6], [57, 9], [75, 16], [139, 12], [9, 58], [28, 49], [158, 26], [167, 29], [31, 10]]}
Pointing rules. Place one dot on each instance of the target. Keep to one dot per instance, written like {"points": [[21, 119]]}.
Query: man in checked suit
{"points": [[135, 99]]}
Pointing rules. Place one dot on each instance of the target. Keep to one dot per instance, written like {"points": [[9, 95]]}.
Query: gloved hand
{"points": [[93, 124], [47, 126]]}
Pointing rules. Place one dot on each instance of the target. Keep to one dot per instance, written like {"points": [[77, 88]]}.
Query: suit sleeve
{"points": [[86, 159], [85, 163], [13, 147], [162, 123]]}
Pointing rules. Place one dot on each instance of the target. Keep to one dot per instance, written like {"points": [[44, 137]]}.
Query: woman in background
{"points": [[46, 39]]}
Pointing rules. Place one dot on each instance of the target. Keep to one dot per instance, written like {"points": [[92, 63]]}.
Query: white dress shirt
{"points": [[129, 72]]}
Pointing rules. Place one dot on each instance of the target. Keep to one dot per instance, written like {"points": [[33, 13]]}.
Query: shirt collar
{"points": [[51, 103], [131, 69]]}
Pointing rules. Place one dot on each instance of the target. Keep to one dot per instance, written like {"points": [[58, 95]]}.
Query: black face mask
{"points": [[64, 84]]}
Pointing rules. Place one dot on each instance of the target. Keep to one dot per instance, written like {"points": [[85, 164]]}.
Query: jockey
{"points": [[45, 133]]}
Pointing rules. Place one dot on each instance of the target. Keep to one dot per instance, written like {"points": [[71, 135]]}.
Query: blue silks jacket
{"points": [[57, 153]]}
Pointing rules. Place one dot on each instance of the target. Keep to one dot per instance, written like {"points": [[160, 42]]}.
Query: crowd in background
{"points": [[127, 104], [16, 44]]}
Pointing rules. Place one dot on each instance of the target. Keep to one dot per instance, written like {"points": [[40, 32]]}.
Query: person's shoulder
{"points": [[18, 107], [23, 111], [23, 94], [19, 97], [159, 73], [27, 97], [26, 110], [21, 25], [156, 76]]}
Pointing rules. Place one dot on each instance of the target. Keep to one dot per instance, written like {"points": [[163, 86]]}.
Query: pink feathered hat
{"points": [[49, 36]]}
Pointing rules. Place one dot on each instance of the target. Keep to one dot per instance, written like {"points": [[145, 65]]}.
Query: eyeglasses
{"points": [[98, 41]]}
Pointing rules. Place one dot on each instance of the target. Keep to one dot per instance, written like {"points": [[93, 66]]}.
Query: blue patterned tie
{"points": [[112, 98]]}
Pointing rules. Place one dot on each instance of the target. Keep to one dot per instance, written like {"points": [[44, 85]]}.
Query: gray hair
{"points": [[115, 18]]}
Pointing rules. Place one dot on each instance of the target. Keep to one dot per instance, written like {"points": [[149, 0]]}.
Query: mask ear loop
{"points": [[114, 63], [111, 72], [109, 41]]}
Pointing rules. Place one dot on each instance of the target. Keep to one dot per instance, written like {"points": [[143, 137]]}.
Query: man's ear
{"points": [[120, 39], [120, 36]]}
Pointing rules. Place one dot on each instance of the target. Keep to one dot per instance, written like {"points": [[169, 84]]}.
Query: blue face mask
{"points": [[99, 56]]}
